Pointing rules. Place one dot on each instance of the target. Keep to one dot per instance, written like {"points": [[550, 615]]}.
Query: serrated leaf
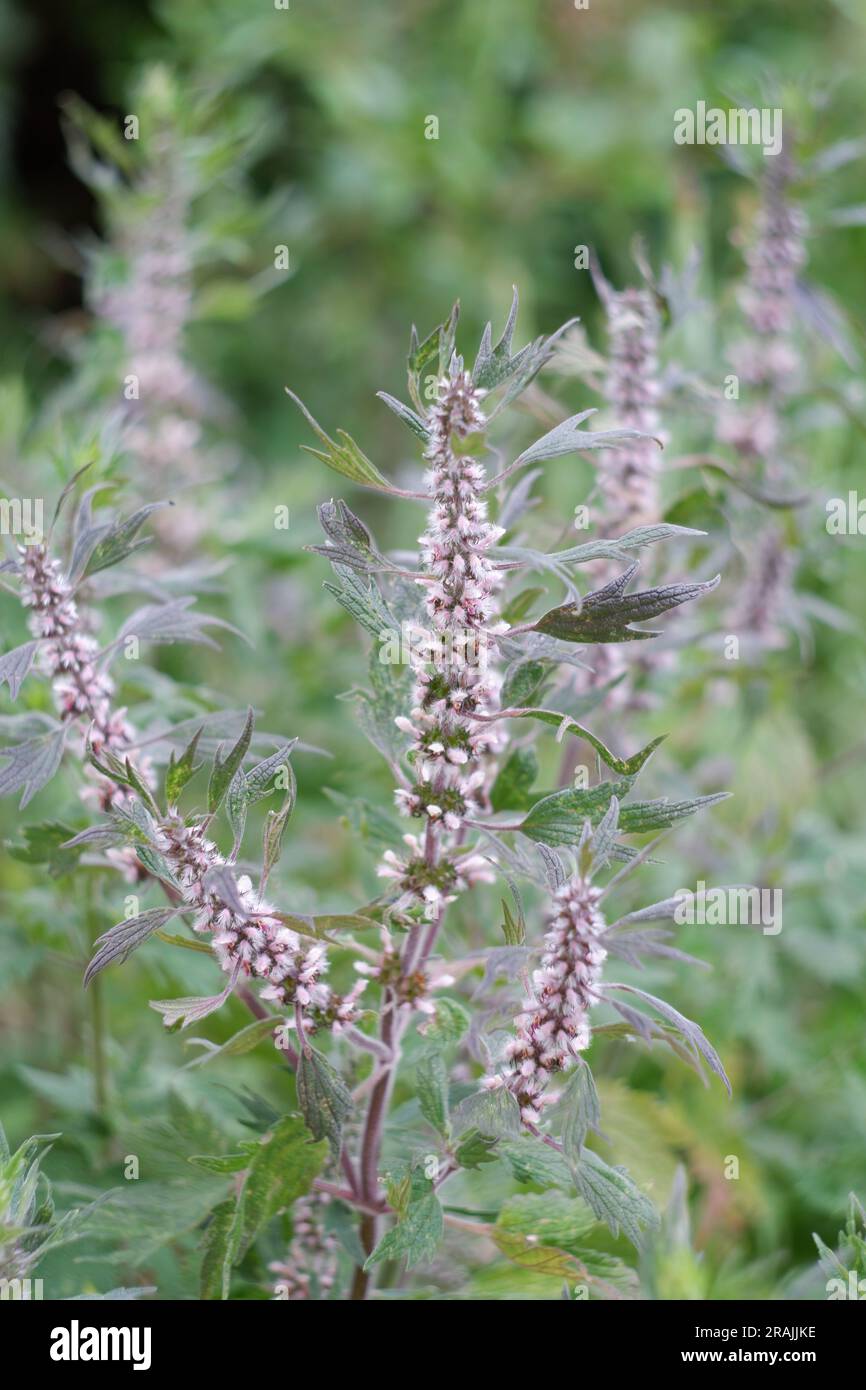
{"points": [[568, 438], [565, 724], [606, 614], [642, 816], [449, 1022], [361, 598], [476, 1149], [431, 1080], [613, 1197], [179, 772], [576, 1112], [32, 764], [118, 943], [692, 1033], [522, 682], [220, 1249], [244, 1041], [534, 1161], [416, 1237], [170, 622], [15, 665], [247, 788], [48, 843], [323, 1096], [225, 769], [494, 1113], [558, 819], [349, 542], [120, 540]]}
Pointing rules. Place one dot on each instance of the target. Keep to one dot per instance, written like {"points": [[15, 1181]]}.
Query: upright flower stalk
{"points": [[474, 674], [629, 476]]}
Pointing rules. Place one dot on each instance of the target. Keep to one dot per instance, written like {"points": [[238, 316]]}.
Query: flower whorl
{"points": [[253, 941], [553, 1025]]}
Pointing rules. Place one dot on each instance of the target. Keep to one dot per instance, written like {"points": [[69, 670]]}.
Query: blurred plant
{"points": [[29, 1225]]}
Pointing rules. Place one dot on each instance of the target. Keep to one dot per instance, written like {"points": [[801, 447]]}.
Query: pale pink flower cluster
{"points": [[629, 476], [448, 745], [254, 941], [151, 309], [310, 1266], [413, 988], [69, 656], [767, 360], [553, 1025], [765, 596], [433, 884]]}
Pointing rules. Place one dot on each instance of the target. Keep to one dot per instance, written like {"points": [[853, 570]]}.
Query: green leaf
{"points": [[448, 1024], [495, 1114], [222, 1163], [275, 827], [511, 790], [408, 416], [220, 1248], [224, 770], [626, 767], [15, 665], [323, 1096], [361, 598], [247, 788], [576, 1112], [282, 1168], [344, 457], [279, 1170], [179, 772], [348, 540], [431, 1079], [567, 438], [519, 606], [534, 1161], [558, 819], [522, 682], [513, 930], [416, 1237], [48, 843], [120, 541], [643, 816], [476, 1149], [31, 764], [118, 944], [243, 1041], [606, 614], [551, 1218], [613, 1196]]}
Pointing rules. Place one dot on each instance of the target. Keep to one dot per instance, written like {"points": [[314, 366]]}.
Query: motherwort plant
{"points": [[481, 1046], [481, 664]]}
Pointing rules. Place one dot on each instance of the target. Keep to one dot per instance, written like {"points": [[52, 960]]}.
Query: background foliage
{"points": [[555, 130]]}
